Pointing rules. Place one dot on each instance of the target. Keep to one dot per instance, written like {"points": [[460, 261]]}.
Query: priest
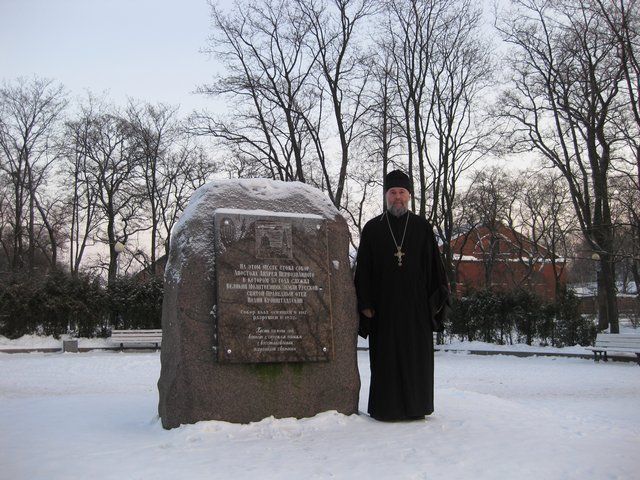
{"points": [[403, 295]]}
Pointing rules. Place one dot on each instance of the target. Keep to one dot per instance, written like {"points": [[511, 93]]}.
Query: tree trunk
{"points": [[112, 272], [607, 300], [635, 272]]}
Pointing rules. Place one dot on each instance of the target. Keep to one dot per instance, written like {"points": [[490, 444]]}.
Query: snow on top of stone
{"points": [[265, 213], [250, 196], [261, 192]]}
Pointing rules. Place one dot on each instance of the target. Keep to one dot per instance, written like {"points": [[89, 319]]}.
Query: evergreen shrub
{"points": [[571, 327], [59, 303], [507, 317], [136, 304], [50, 305]]}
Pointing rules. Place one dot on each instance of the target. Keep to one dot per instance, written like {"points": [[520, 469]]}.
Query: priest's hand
{"points": [[368, 312]]}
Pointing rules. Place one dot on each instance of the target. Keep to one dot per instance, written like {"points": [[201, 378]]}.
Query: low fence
{"points": [[627, 305]]}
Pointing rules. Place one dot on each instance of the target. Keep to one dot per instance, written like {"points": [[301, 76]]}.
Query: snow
{"points": [[30, 341], [525, 260], [476, 346], [93, 415], [590, 288], [265, 213], [264, 190], [39, 341], [36, 341], [518, 347]]}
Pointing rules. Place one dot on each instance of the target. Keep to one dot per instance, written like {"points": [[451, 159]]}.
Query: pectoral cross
{"points": [[399, 254]]}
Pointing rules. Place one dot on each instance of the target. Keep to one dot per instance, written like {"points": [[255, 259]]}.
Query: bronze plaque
{"points": [[272, 287]]}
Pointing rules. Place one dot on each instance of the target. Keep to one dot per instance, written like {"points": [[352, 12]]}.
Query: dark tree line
{"points": [[90, 176]]}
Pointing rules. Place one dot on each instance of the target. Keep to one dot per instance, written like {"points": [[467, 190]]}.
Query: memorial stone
{"points": [[259, 314]]}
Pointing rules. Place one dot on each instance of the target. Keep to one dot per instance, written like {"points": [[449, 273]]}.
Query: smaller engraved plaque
{"points": [[272, 285], [273, 239]]}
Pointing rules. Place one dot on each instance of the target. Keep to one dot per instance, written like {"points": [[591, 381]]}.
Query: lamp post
{"points": [[118, 247], [596, 258]]}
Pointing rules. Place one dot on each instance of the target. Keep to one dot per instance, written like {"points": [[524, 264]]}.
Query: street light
{"points": [[596, 258], [118, 247]]}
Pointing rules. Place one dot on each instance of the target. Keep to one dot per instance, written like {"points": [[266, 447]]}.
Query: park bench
{"points": [[136, 337], [615, 342]]}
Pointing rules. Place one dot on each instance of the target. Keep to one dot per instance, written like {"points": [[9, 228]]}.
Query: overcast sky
{"points": [[146, 49]]}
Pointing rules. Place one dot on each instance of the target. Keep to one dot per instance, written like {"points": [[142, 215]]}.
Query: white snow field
{"points": [[93, 416]]}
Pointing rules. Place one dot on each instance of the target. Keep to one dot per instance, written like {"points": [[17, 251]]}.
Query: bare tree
{"points": [[465, 221], [113, 163], [376, 148], [623, 20], [30, 110], [82, 198], [563, 98], [54, 219], [154, 128], [341, 74], [546, 220], [622, 17], [382, 138], [293, 78], [267, 81], [626, 219], [461, 133], [363, 178], [413, 27], [184, 169], [443, 66], [491, 201], [6, 230]]}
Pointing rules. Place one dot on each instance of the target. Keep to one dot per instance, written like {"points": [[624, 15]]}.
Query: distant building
{"points": [[503, 259], [154, 270]]}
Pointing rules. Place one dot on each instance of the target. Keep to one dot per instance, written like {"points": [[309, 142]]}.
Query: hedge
{"points": [[60, 303], [519, 316]]}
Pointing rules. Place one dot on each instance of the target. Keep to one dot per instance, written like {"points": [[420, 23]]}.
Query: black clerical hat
{"points": [[397, 179]]}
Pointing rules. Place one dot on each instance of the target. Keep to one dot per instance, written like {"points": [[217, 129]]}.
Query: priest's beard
{"points": [[397, 209]]}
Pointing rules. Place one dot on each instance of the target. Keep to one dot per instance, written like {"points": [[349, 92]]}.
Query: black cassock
{"points": [[409, 301]]}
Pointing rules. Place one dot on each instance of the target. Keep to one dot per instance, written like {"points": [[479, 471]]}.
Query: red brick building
{"points": [[503, 259]]}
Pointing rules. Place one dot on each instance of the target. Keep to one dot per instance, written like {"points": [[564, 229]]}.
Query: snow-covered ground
{"points": [[48, 342], [590, 288], [40, 341], [93, 415]]}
